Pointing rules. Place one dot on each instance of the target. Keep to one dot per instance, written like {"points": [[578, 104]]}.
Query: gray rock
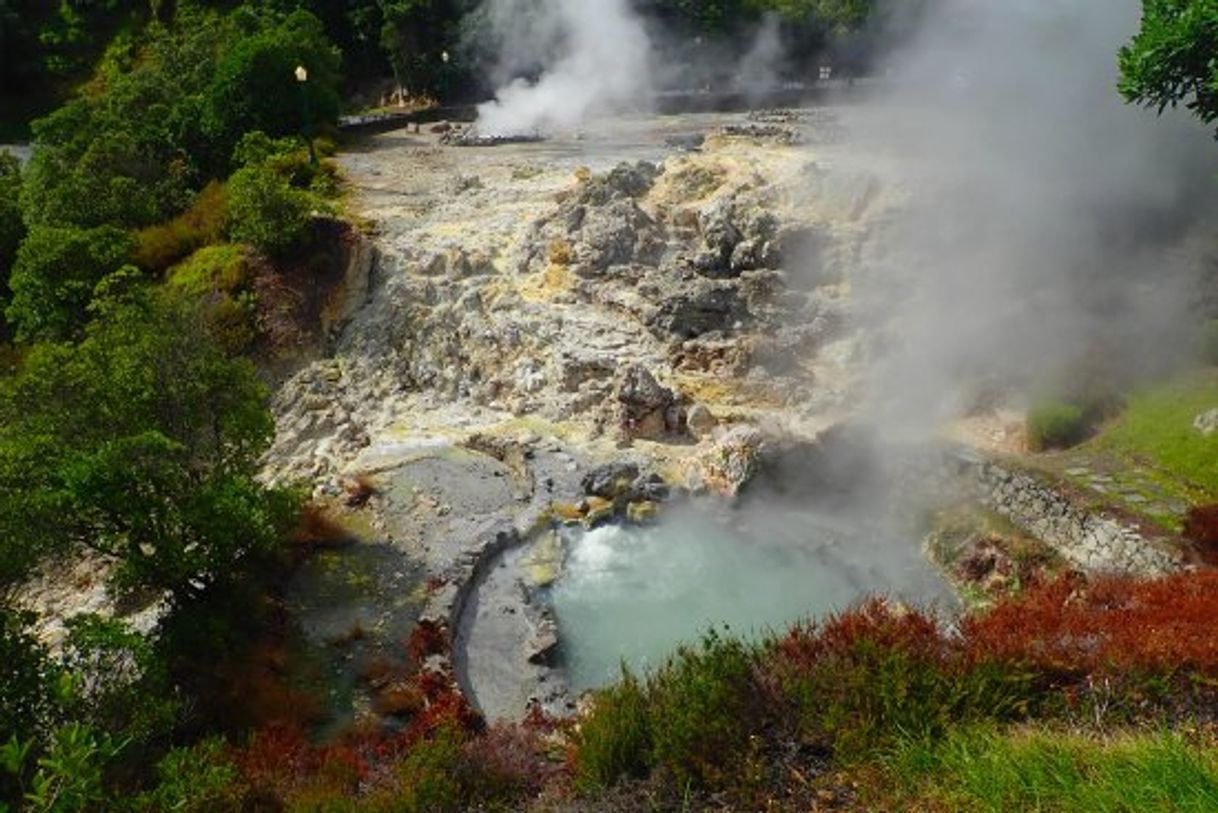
{"points": [[1207, 422], [611, 480], [699, 310], [650, 487], [700, 421], [644, 403]]}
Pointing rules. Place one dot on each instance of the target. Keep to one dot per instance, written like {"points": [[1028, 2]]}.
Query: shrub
{"points": [[1121, 625], [1055, 425], [158, 247], [217, 276], [27, 676], [430, 774], [614, 741], [54, 277], [199, 779], [267, 212], [702, 709], [874, 674]]}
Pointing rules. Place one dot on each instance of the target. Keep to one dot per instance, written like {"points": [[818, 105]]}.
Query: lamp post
{"points": [[302, 78]]}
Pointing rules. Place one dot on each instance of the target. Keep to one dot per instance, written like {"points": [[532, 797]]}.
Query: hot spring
{"points": [[633, 594]]}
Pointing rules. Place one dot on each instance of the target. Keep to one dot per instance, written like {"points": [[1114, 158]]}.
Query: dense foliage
{"points": [[1171, 59], [141, 442]]}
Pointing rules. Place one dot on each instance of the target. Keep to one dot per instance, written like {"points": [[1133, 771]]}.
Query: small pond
{"points": [[635, 593]]}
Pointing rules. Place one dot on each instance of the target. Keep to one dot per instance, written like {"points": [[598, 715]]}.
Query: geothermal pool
{"points": [[633, 594]]}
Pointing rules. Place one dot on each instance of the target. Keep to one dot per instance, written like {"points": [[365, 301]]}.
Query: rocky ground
{"points": [[672, 292]]}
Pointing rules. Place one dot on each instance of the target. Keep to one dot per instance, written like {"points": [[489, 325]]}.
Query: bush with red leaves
{"points": [[1162, 626], [428, 638]]}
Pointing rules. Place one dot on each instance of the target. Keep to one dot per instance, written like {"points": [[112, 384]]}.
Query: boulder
{"points": [[626, 180], [728, 466], [697, 310], [611, 480], [700, 421], [644, 403], [649, 488], [609, 236]]}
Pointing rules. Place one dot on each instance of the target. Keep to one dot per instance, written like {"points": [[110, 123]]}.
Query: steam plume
{"points": [[594, 57], [1048, 221]]}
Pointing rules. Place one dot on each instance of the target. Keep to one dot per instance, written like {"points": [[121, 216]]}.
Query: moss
{"points": [[221, 268]]}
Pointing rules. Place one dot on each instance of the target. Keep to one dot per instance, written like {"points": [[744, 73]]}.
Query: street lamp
{"points": [[302, 78]]}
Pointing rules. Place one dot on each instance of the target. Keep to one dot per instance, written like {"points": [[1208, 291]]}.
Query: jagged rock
{"points": [[542, 645], [623, 181], [611, 480], [643, 512], [649, 488], [701, 309], [470, 137], [700, 421], [610, 235], [644, 403], [716, 223], [729, 465]]}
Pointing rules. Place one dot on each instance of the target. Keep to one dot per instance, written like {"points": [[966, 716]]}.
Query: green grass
{"points": [[986, 770], [214, 268], [1157, 431], [1055, 424]]}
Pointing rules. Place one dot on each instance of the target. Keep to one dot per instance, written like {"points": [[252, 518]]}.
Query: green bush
{"points": [[158, 247], [614, 741], [214, 269], [199, 779], [141, 441], [703, 708], [430, 775], [1055, 425], [54, 276], [267, 212], [12, 227]]}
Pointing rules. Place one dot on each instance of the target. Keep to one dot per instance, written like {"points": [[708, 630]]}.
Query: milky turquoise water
{"points": [[634, 594]]}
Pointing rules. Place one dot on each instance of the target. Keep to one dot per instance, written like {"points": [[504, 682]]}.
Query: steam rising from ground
{"points": [[1050, 224], [594, 57]]}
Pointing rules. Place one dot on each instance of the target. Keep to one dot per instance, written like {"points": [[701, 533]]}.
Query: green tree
{"points": [[255, 85], [1173, 59], [54, 275], [265, 211], [141, 442], [12, 227], [26, 678]]}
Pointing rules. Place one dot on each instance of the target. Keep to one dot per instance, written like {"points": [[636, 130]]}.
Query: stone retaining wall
{"points": [[1092, 540]]}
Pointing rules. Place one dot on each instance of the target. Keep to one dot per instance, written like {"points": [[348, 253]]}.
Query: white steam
{"points": [[1049, 222], [593, 55]]}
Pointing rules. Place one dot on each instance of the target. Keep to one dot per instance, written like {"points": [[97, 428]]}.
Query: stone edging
{"points": [[1094, 541]]}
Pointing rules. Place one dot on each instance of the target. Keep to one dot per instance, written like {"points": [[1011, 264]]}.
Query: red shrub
{"points": [[877, 624], [428, 638], [1159, 626]]}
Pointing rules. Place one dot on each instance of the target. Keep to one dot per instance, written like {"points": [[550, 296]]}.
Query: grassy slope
{"points": [[984, 769], [1149, 461], [1157, 431]]}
